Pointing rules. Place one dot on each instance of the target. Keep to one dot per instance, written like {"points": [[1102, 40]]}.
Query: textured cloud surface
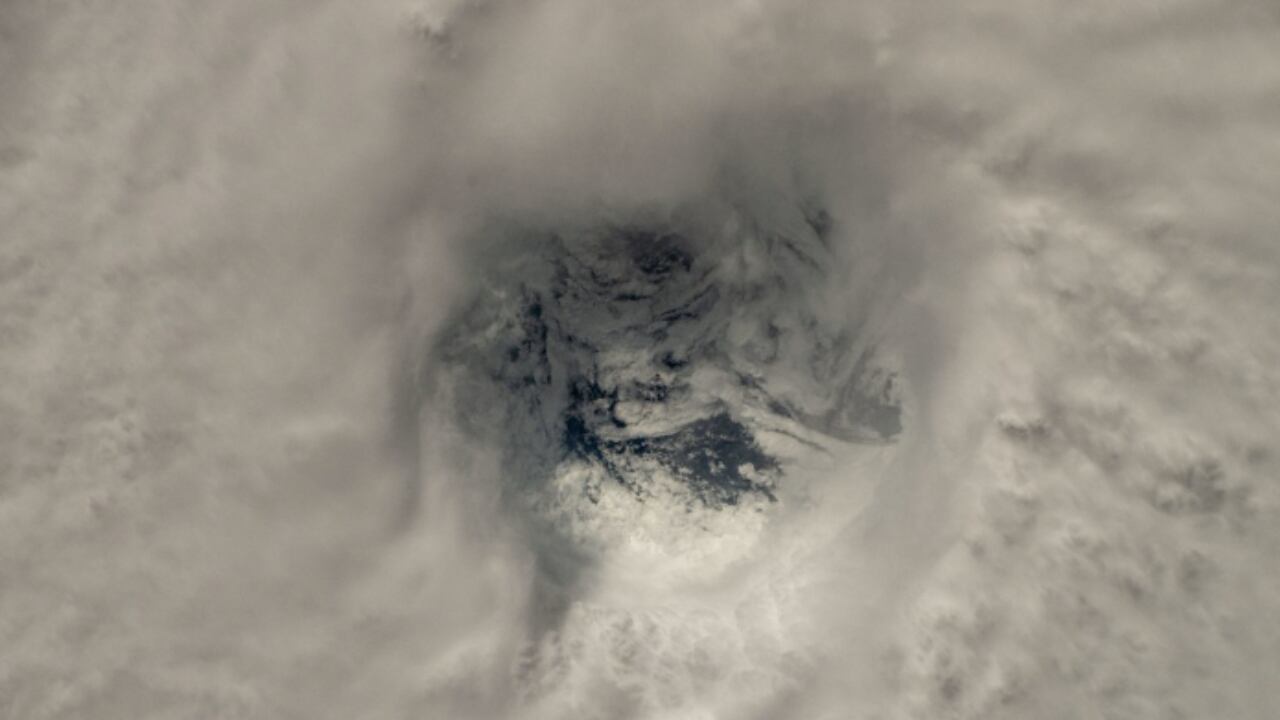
{"points": [[569, 359]]}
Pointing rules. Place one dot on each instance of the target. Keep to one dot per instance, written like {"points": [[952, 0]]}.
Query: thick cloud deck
{"points": [[661, 360]]}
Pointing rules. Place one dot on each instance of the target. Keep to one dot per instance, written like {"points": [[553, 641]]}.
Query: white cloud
{"points": [[232, 234]]}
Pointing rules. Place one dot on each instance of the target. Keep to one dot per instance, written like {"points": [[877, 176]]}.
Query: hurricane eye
{"points": [[652, 360]]}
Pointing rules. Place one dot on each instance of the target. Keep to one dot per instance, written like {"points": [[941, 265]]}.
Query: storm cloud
{"points": [[568, 359]]}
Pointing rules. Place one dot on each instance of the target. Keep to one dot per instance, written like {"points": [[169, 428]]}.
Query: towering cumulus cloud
{"points": [[569, 359]]}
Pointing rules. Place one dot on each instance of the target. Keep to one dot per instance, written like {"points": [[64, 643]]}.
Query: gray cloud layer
{"points": [[230, 235]]}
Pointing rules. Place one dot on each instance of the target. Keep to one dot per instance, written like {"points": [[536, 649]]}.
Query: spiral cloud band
{"points": [[578, 359]]}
